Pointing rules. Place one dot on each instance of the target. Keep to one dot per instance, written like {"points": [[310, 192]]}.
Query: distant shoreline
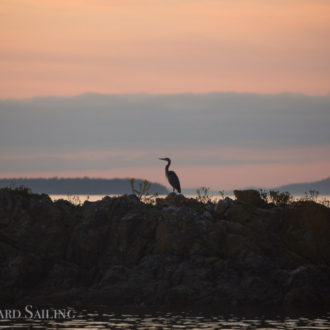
{"points": [[99, 186], [79, 186]]}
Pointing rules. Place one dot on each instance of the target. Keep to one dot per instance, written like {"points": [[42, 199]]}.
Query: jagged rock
{"points": [[300, 297], [309, 238], [179, 296], [238, 213], [61, 276], [222, 206], [216, 238], [178, 200], [251, 197], [210, 207], [207, 215], [179, 253], [114, 275]]}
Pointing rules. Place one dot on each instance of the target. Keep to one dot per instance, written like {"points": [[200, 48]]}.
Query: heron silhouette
{"points": [[171, 176]]}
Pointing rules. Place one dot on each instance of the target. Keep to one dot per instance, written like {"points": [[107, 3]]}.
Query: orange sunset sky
{"points": [[65, 48], [163, 46]]}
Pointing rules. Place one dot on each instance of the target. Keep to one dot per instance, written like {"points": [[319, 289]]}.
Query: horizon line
{"points": [[129, 178], [90, 93]]}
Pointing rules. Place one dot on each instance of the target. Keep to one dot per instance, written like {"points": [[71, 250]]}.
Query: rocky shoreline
{"points": [[177, 253]]}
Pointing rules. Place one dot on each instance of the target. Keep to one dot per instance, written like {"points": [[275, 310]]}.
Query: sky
{"points": [[218, 140], [68, 47], [236, 92]]}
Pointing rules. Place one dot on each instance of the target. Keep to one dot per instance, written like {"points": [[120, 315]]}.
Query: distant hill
{"points": [[322, 186], [79, 186]]}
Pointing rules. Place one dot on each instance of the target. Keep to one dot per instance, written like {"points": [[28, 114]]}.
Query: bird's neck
{"points": [[167, 166]]}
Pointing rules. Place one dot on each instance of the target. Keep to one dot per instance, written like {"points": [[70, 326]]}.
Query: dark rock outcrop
{"points": [[251, 197], [178, 252]]}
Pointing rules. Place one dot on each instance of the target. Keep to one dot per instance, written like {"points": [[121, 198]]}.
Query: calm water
{"points": [[98, 320], [80, 199]]}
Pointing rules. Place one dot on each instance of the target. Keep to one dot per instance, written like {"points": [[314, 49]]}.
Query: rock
{"points": [[307, 286], [64, 206], [171, 199], [179, 296], [169, 240], [251, 197], [177, 253], [207, 215], [302, 298], [62, 276], [236, 245], [114, 275], [216, 238], [308, 231], [23, 271], [222, 206], [238, 213], [178, 200], [210, 207], [171, 209]]}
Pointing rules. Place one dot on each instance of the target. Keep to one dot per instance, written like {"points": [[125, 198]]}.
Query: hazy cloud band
{"points": [[98, 132]]}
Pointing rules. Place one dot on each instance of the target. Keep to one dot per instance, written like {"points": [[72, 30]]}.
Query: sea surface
{"points": [[80, 199], [104, 320]]}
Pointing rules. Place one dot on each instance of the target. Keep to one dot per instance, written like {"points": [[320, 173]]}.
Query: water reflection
{"points": [[102, 320], [80, 199]]}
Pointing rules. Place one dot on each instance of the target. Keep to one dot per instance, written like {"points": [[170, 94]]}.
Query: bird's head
{"points": [[166, 159]]}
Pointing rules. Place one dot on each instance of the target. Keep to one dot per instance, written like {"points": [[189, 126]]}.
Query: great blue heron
{"points": [[171, 176]]}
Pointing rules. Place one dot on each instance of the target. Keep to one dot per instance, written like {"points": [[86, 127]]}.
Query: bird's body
{"points": [[171, 176]]}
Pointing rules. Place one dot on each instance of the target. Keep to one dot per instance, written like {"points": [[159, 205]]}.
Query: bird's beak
{"points": [[161, 158]]}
